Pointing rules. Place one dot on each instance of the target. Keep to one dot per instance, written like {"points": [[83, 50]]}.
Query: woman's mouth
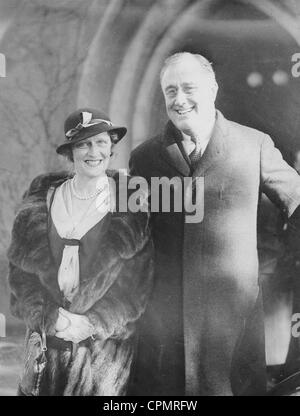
{"points": [[93, 163]]}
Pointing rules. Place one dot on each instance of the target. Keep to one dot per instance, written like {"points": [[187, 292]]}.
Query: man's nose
{"points": [[180, 97]]}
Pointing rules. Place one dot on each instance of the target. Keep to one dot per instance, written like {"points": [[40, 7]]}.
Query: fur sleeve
{"points": [[116, 313], [31, 267], [129, 232], [29, 300]]}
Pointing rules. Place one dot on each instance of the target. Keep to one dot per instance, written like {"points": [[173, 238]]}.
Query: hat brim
{"points": [[88, 132]]}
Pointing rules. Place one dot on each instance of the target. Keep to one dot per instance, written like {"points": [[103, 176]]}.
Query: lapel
{"points": [[171, 151], [216, 148]]}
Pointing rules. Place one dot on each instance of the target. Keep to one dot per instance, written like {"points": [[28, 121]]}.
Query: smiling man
{"points": [[203, 332], [190, 97]]}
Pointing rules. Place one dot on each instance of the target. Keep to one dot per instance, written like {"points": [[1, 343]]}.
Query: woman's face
{"points": [[91, 156]]}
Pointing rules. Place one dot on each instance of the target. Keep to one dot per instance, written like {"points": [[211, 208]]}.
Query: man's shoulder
{"points": [[245, 133], [148, 147]]}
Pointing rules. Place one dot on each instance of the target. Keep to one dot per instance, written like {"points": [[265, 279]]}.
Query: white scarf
{"points": [[61, 213]]}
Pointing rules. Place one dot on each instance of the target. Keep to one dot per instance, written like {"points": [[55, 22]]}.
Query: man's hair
{"points": [[204, 64]]}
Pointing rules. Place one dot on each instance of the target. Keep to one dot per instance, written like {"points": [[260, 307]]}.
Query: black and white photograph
{"points": [[150, 200]]}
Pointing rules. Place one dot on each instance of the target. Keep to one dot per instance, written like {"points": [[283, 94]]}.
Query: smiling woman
{"points": [[91, 158], [92, 155], [80, 271]]}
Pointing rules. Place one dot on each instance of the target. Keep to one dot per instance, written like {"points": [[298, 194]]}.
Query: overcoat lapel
{"points": [[171, 151], [216, 148]]}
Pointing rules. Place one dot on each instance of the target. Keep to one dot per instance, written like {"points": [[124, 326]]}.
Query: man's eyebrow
{"points": [[189, 84]]}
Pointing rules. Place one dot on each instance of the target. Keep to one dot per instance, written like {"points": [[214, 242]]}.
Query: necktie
{"points": [[195, 156]]}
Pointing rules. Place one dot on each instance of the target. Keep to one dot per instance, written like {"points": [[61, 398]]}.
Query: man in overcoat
{"points": [[203, 331]]}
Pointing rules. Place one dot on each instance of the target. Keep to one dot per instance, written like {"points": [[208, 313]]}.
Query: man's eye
{"points": [[171, 93], [189, 89]]}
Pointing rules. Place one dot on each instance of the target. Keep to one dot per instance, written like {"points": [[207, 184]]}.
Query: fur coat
{"points": [[113, 296]]}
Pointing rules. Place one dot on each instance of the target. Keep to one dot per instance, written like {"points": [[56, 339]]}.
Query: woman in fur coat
{"points": [[80, 268]]}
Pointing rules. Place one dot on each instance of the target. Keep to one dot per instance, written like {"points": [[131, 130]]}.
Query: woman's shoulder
{"points": [[41, 184], [120, 175], [129, 227], [128, 189], [130, 195]]}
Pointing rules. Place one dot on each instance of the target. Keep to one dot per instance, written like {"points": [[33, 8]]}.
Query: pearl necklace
{"points": [[90, 196]]}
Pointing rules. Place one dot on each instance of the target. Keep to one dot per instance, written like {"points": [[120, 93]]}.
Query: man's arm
{"points": [[281, 184], [279, 181]]}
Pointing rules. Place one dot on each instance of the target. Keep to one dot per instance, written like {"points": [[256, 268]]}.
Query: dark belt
{"points": [[71, 242], [62, 345], [59, 344]]}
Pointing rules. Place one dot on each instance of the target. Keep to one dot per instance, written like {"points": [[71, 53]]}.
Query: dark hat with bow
{"points": [[85, 123]]}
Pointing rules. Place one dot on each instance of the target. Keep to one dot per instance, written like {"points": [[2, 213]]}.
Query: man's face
{"points": [[189, 94]]}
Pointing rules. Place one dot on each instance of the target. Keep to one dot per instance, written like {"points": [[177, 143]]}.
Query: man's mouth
{"points": [[93, 163], [185, 111]]}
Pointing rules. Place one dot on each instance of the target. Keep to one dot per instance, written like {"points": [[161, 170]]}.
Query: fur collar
{"points": [[30, 251]]}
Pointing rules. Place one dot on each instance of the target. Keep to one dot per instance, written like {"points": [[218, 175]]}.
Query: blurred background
{"points": [[63, 54]]}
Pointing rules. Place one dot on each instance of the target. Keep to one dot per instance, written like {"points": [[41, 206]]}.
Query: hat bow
{"points": [[87, 121]]}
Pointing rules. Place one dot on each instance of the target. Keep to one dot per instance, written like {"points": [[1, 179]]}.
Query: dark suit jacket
{"points": [[203, 330]]}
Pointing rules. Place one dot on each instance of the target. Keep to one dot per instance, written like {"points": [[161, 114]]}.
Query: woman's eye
{"points": [[81, 146]]}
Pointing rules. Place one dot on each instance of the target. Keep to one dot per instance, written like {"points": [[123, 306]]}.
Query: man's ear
{"points": [[215, 90]]}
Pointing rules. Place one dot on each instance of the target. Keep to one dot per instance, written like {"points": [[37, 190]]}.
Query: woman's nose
{"points": [[93, 148]]}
